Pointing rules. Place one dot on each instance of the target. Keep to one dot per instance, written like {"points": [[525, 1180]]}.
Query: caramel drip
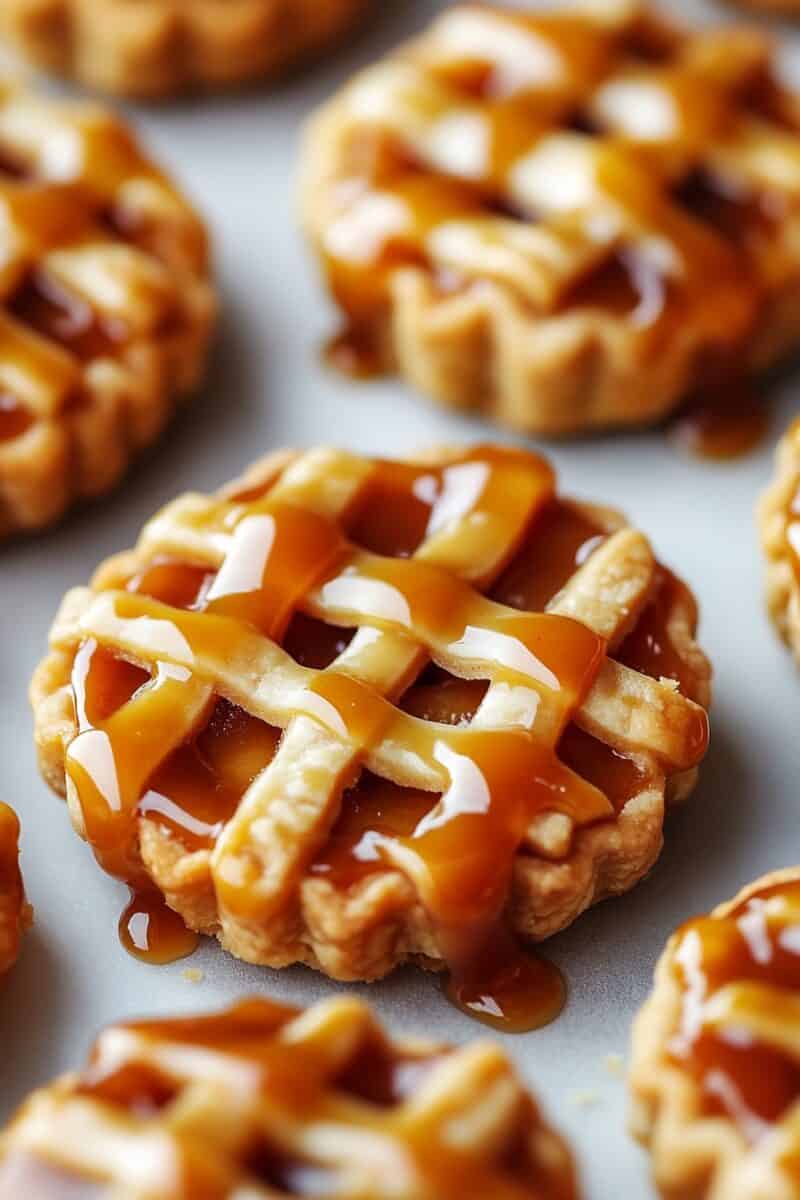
{"points": [[740, 976], [15, 418], [152, 932], [162, 746], [65, 318], [725, 419]]}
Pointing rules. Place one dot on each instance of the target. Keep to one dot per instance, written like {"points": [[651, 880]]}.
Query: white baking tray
{"points": [[268, 388]]}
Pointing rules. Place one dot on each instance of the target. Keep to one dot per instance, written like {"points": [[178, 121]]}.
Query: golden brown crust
{"points": [[460, 266], [365, 929], [776, 517], [155, 49], [106, 308], [697, 1156], [336, 1101], [16, 914]]}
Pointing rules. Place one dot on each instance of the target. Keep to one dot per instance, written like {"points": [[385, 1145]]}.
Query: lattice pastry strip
{"points": [[157, 48], [105, 305], [263, 1101], [264, 554], [716, 1050], [526, 213]]}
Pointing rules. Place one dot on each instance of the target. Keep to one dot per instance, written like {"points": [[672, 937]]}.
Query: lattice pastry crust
{"points": [[153, 49], [724, 1151], [15, 912], [105, 304], [271, 883], [563, 220], [265, 1101], [779, 522]]}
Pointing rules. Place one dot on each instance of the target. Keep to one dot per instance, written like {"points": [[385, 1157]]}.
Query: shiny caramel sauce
{"points": [[151, 931], [62, 316], [459, 846], [15, 418], [752, 1082], [722, 422], [508, 988]]}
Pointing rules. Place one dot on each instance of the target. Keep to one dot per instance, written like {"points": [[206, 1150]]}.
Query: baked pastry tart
{"points": [[105, 304], [265, 1101], [563, 220], [153, 49], [350, 712], [15, 912], [779, 522], [714, 1076]]}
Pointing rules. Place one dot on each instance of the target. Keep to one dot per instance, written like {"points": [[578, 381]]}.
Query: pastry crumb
{"points": [[585, 1099], [193, 975]]}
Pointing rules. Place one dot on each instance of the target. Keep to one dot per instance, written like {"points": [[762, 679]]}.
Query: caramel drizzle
{"points": [[451, 149], [491, 781], [281, 1077], [214, 627], [740, 979]]}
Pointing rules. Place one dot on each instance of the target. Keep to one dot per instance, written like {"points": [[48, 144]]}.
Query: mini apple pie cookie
{"points": [[564, 220], [716, 1051], [779, 520], [105, 304], [153, 49], [265, 1101], [15, 913], [350, 712]]}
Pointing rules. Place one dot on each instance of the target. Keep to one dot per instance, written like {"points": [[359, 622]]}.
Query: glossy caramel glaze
{"points": [[740, 976], [313, 584], [445, 156], [149, 930], [242, 1100], [65, 318]]}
